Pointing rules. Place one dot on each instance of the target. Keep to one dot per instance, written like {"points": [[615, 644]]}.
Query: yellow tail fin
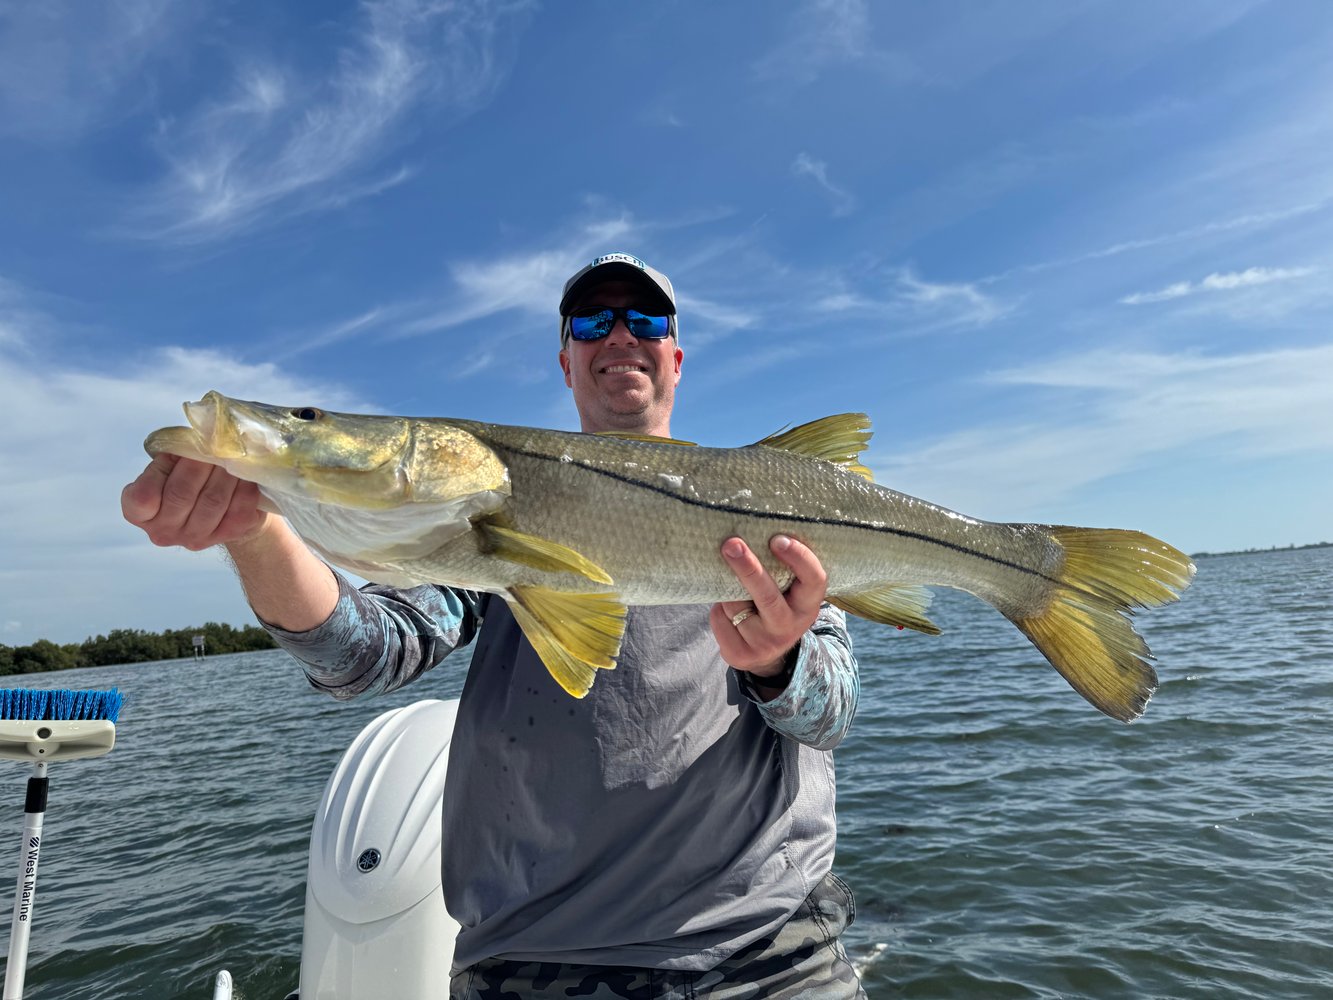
{"points": [[1085, 630]]}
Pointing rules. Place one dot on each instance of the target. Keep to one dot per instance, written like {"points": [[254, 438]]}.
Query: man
{"points": [[671, 834]]}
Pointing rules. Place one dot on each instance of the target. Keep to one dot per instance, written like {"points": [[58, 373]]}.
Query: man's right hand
{"points": [[179, 501]]}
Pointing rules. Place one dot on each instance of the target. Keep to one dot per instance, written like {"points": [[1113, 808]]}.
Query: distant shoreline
{"points": [[1256, 552], [123, 646]]}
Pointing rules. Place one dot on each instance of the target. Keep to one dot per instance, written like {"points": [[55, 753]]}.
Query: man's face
{"points": [[622, 383]]}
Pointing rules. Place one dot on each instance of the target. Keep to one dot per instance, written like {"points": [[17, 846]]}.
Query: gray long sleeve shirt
{"points": [[666, 820]]}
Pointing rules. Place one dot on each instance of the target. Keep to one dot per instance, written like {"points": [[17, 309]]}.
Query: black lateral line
{"points": [[799, 518]]}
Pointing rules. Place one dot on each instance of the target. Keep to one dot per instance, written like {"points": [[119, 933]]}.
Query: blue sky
{"points": [[1073, 258]]}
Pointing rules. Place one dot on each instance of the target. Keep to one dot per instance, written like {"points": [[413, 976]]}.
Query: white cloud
{"points": [[844, 300], [1115, 411], [288, 346], [25, 319], [72, 566], [1274, 158], [807, 166], [963, 300], [260, 91], [1250, 220], [828, 34], [921, 306], [823, 33], [1218, 282], [66, 65], [705, 322], [908, 304], [282, 144], [530, 281]]}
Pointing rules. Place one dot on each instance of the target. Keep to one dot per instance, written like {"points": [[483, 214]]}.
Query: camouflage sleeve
{"points": [[379, 638], [818, 704]]}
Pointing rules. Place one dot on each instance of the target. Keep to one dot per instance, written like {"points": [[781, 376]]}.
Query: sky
{"points": [[1072, 257]]}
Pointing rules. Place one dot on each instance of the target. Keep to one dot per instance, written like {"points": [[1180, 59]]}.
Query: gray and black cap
{"points": [[620, 267]]}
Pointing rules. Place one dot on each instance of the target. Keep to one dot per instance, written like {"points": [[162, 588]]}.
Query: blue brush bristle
{"points": [[25, 703]]}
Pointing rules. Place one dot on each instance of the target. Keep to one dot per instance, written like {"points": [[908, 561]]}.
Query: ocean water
{"points": [[1003, 839]]}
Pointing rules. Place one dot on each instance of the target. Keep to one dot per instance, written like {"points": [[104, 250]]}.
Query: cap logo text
{"points": [[626, 258]]}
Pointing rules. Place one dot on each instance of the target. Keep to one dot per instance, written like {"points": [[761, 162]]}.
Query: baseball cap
{"points": [[619, 267]]}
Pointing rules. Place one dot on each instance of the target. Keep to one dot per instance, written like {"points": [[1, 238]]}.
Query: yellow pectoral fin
{"points": [[903, 607], [838, 439], [537, 552], [574, 634]]}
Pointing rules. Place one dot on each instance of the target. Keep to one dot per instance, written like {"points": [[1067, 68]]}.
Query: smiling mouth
{"points": [[622, 369]]}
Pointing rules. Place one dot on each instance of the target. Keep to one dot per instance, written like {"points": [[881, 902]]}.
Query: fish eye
{"points": [[307, 413]]}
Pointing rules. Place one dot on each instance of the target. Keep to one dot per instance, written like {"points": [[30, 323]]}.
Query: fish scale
{"points": [[658, 525]]}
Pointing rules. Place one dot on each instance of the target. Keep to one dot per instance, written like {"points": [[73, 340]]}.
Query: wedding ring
{"points": [[740, 616]]}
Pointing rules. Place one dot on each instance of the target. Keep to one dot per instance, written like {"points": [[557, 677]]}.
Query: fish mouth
{"points": [[231, 428]]}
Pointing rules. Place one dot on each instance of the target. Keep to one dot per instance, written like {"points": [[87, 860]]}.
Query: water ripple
{"points": [[1002, 838]]}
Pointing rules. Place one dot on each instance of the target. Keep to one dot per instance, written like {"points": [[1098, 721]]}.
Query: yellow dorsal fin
{"points": [[574, 634], [537, 552], [837, 439], [650, 438], [903, 606]]}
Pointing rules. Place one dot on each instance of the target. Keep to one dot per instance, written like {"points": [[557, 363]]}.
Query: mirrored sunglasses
{"points": [[596, 322]]}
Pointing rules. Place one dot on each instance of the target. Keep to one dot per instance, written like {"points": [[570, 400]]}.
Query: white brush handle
{"points": [[25, 896]]}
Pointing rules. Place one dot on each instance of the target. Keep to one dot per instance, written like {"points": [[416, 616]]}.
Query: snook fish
{"points": [[570, 528]]}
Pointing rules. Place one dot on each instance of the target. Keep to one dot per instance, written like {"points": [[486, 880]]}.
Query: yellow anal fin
{"points": [[650, 438], [537, 552], [574, 634], [1085, 630], [902, 606], [838, 439]]}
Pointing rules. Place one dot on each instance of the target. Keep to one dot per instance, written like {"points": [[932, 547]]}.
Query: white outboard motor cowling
{"points": [[375, 922]]}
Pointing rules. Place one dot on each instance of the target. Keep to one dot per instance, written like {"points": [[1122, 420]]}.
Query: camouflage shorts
{"points": [[803, 960]]}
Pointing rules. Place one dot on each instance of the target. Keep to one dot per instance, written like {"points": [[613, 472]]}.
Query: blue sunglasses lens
{"points": [[594, 324]]}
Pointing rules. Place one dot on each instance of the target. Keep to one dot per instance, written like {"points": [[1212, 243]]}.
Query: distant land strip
{"points": [[1255, 552], [124, 645]]}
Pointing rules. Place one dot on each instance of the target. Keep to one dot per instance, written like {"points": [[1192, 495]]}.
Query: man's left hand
{"points": [[758, 641]]}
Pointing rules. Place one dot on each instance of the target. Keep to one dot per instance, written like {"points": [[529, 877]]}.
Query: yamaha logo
{"points": [[369, 860]]}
